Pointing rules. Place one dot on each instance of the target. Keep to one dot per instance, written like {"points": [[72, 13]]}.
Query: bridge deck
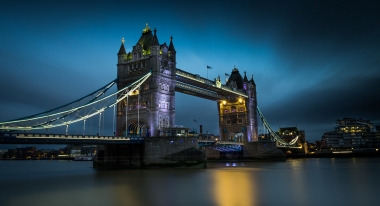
{"points": [[206, 84], [14, 138]]}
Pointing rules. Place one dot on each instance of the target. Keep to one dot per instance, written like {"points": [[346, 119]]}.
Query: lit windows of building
{"points": [[352, 133]]}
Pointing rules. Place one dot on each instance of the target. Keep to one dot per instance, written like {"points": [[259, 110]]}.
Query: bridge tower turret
{"points": [[237, 115], [252, 110], [153, 106], [172, 66], [121, 54]]}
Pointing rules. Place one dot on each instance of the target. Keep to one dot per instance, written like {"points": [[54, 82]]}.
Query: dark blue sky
{"points": [[313, 61]]}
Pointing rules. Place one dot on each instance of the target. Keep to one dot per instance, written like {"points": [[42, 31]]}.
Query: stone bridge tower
{"points": [[151, 107], [238, 116]]}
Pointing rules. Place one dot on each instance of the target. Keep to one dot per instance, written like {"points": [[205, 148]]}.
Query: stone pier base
{"points": [[263, 151], [162, 152]]}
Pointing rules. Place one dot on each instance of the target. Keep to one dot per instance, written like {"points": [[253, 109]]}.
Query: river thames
{"points": [[314, 181]]}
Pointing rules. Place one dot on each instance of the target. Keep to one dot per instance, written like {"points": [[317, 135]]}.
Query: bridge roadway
{"points": [[196, 85], [32, 138], [25, 138]]}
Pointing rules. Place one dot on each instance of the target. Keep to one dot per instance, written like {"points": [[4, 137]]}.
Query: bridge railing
{"points": [[198, 90], [229, 143], [63, 136]]}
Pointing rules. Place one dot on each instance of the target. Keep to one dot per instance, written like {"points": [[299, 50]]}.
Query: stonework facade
{"points": [[238, 116], [153, 106]]}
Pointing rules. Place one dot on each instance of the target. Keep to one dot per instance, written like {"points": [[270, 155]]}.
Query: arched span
{"points": [[138, 129]]}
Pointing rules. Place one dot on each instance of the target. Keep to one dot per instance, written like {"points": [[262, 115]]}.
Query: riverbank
{"points": [[335, 155]]}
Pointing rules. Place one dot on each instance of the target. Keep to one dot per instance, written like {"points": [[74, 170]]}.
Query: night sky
{"points": [[313, 61]]}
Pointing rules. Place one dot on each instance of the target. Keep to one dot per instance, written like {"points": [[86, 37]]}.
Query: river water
{"points": [[319, 181]]}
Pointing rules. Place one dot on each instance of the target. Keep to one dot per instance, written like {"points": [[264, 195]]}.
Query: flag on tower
{"points": [[226, 74], [209, 67]]}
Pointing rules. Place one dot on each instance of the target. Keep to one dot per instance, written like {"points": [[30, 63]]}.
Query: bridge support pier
{"points": [[161, 152], [119, 157]]}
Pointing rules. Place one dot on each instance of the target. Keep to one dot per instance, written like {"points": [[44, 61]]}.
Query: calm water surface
{"points": [[324, 181]]}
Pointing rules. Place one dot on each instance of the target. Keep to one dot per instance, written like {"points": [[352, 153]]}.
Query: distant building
{"points": [[73, 149], [29, 153], [208, 137], [352, 133], [88, 149]]}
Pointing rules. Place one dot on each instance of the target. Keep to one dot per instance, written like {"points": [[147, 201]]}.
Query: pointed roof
{"points": [[171, 45], [236, 77], [245, 77], [251, 80], [146, 39], [155, 40], [122, 49]]}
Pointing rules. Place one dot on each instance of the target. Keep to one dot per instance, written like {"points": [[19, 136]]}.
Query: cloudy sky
{"points": [[313, 61]]}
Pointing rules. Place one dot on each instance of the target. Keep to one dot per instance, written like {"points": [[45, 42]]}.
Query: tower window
{"points": [[228, 122], [240, 121], [225, 110], [233, 109]]}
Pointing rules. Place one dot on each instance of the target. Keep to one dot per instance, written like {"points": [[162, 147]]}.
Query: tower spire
{"points": [[251, 80], [171, 45], [245, 77], [155, 39], [122, 49]]}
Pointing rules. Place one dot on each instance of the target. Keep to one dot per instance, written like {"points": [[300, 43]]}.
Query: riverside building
{"points": [[352, 133]]}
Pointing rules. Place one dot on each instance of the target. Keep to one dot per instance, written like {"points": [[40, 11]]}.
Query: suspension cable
{"points": [[23, 123]]}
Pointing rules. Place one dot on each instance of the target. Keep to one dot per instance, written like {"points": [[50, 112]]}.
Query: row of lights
{"points": [[240, 101]]}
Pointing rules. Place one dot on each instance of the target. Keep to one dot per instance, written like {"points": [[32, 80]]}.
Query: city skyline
{"points": [[313, 62]]}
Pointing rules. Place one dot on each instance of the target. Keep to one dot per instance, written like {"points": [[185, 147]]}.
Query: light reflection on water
{"points": [[233, 188], [349, 181]]}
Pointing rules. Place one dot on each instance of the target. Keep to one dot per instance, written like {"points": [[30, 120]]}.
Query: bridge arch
{"points": [[136, 128], [236, 137]]}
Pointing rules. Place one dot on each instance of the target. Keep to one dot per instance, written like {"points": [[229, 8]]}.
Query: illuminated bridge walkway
{"points": [[222, 146], [24, 138]]}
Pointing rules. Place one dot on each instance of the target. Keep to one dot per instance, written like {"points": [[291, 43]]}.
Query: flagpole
{"points": [[208, 67]]}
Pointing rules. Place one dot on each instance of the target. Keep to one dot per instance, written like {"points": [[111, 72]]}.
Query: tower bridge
{"points": [[144, 106], [236, 101]]}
